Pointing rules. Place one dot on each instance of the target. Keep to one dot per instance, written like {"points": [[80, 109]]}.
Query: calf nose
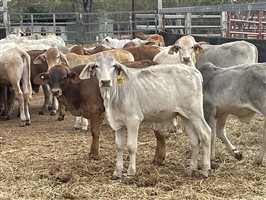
{"points": [[186, 59], [105, 82], [56, 92]]}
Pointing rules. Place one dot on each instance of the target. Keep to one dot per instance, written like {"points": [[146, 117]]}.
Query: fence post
{"points": [[223, 23], [260, 16], [188, 23], [54, 23], [229, 24], [31, 23], [5, 16]]}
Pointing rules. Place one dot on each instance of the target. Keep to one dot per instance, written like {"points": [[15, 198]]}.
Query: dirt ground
{"points": [[49, 160]]}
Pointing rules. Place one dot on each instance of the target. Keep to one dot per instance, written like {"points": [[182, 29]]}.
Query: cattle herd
{"points": [[125, 82]]}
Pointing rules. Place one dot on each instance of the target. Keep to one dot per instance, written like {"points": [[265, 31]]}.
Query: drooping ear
{"points": [[74, 77], [121, 68], [41, 79], [63, 59], [174, 48], [40, 59], [88, 71], [198, 49]]}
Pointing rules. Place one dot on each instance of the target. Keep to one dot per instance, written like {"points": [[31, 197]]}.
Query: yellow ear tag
{"points": [[120, 78], [197, 52], [63, 62]]}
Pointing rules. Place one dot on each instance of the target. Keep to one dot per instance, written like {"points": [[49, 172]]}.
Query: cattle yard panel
{"points": [[232, 20], [119, 24], [85, 27]]}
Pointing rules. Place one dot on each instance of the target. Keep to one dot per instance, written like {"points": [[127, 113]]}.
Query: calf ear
{"points": [[41, 79], [121, 70], [40, 59], [198, 49], [74, 77], [63, 59], [174, 48], [88, 71]]}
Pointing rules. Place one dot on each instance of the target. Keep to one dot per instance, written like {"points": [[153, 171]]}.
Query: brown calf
{"points": [[81, 99]]}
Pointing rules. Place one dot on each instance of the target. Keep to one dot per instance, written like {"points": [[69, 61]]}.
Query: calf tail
{"points": [[27, 88]]}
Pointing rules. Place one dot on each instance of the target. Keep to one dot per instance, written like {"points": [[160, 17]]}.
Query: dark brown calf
{"points": [[35, 70], [81, 98]]}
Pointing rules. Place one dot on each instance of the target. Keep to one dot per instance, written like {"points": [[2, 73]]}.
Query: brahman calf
{"points": [[15, 70], [185, 50], [156, 94], [238, 90], [81, 99]]}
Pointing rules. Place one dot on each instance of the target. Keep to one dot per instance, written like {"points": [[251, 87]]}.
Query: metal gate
{"points": [[85, 27]]}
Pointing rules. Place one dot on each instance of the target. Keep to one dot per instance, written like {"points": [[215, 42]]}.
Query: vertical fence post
{"points": [[156, 19], [229, 24], [188, 23], [130, 25], [54, 23], [260, 16], [5, 16], [31, 23], [223, 23]]}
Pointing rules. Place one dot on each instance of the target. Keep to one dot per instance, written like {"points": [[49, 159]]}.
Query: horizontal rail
{"points": [[215, 8], [245, 33], [244, 21]]}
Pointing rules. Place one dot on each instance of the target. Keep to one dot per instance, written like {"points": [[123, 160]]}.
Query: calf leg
{"points": [[78, 121], [95, 126], [62, 112], [85, 124], [27, 113], [160, 152], [47, 94], [55, 106], [19, 96], [119, 141], [221, 133], [160, 130], [194, 142], [82, 123], [259, 158], [132, 143], [203, 134]]}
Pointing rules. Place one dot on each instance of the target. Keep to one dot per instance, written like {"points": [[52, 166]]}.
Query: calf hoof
{"points": [[61, 118], [84, 130], [114, 177], [205, 174], [94, 156], [5, 118], [237, 154], [41, 113], [158, 161], [214, 165], [52, 113], [23, 123], [28, 122]]}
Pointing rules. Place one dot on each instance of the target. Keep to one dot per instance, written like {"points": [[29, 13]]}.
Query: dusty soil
{"points": [[49, 160]]}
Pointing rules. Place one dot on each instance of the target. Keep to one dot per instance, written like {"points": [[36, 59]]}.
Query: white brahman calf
{"points": [[156, 94]]}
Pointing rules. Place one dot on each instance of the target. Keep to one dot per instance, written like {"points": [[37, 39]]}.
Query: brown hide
{"points": [[143, 52]]}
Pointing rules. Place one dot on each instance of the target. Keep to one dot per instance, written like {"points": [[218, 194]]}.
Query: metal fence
{"points": [[85, 27], [228, 20]]}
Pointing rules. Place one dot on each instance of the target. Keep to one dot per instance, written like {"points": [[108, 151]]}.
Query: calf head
{"points": [[58, 77], [107, 70], [52, 57], [188, 50]]}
